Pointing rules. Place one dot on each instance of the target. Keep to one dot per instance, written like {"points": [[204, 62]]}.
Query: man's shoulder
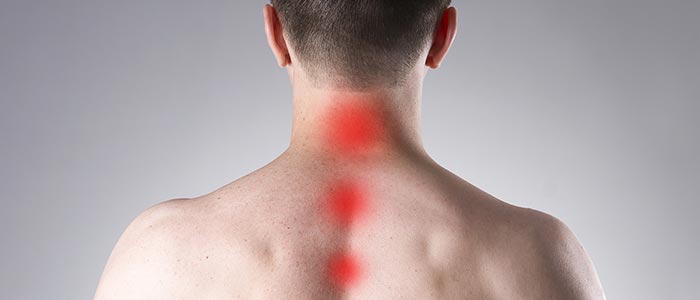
{"points": [[149, 247], [163, 212], [174, 222], [539, 255], [158, 222]]}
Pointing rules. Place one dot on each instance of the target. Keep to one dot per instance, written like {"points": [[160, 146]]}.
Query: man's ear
{"points": [[442, 39], [275, 38]]}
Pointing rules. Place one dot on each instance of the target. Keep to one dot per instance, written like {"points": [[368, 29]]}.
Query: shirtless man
{"points": [[354, 208]]}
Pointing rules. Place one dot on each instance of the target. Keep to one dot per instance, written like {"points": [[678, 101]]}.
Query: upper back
{"points": [[399, 229]]}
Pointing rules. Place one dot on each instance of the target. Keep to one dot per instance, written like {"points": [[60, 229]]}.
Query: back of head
{"points": [[358, 43]]}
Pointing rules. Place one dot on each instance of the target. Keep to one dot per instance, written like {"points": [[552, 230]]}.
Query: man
{"points": [[354, 208]]}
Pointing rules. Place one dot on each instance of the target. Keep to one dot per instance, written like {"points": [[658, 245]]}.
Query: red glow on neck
{"points": [[354, 128], [344, 270]]}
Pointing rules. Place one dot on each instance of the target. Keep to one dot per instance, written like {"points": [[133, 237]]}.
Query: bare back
{"points": [[425, 234]]}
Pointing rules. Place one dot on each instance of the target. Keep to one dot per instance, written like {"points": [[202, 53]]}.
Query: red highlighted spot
{"points": [[354, 128], [344, 270], [347, 202]]}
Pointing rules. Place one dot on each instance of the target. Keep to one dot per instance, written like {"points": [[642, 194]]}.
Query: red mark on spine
{"points": [[354, 128], [347, 202], [344, 270]]}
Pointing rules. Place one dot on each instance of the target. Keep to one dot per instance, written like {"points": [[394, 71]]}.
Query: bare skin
{"points": [[428, 233]]}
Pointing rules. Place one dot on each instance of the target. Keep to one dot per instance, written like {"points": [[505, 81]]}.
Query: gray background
{"points": [[583, 109]]}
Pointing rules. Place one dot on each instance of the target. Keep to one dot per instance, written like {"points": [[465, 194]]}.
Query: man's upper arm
{"points": [[140, 263]]}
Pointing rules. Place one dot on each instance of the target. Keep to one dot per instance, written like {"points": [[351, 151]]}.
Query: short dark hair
{"points": [[359, 43]]}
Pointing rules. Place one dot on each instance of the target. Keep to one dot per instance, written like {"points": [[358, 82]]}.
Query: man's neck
{"points": [[356, 124]]}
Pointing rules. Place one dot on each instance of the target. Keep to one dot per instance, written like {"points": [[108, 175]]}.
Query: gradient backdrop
{"points": [[587, 110]]}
